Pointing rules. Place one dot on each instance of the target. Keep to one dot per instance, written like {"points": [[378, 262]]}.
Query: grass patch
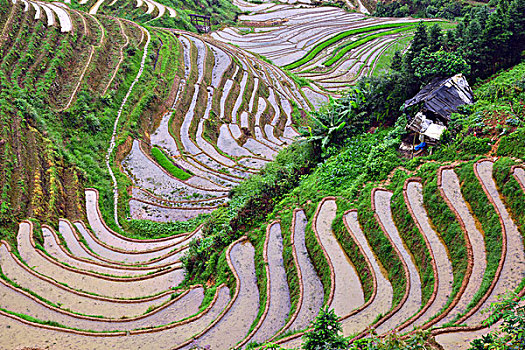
{"points": [[258, 237], [513, 145], [342, 50], [301, 81], [324, 44], [168, 165], [385, 60], [485, 213], [445, 224], [412, 237], [382, 247]]}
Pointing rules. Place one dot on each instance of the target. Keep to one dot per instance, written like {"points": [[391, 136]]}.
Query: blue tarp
{"points": [[421, 146]]}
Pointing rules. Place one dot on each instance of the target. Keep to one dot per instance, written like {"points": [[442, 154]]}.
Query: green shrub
{"points": [[168, 165], [151, 229], [474, 145], [326, 333], [511, 333], [513, 145]]}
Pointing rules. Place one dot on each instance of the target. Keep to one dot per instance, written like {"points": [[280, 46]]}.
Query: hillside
{"points": [[163, 189]]}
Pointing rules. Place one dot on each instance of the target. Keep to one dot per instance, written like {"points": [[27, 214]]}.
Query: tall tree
{"points": [[496, 38], [419, 42], [440, 64], [397, 61], [472, 45], [435, 38], [517, 26]]}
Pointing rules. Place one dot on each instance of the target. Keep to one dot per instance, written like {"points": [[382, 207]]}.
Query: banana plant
{"points": [[328, 128], [337, 121]]}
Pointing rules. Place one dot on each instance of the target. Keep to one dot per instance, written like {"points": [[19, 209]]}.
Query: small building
{"points": [[201, 22], [437, 101]]}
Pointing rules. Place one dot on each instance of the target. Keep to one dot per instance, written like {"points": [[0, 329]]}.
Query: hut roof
{"points": [[444, 96]]}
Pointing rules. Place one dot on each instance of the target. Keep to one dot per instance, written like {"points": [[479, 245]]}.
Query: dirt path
{"points": [[115, 129]]}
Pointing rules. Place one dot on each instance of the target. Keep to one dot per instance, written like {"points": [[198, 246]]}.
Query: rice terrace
{"points": [[255, 174]]}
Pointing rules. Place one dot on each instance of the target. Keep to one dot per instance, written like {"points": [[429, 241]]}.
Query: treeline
{"points": [[448, 9]]}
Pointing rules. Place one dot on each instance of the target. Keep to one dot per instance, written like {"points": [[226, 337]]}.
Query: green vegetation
{"points": [[448, 9], [250, 203], [350, 147], [64, 150], [417, 341], [301, 81], [145, 229], [222, 12], [496, 114], [511, 333], [490, 224], [168, 165], [326, 333], [381, 246], [482, 43], [324, 44], [384, 61], [342, 50]]}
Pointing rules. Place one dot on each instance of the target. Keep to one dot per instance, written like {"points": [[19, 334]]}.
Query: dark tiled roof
{"points": [[444, 96]]}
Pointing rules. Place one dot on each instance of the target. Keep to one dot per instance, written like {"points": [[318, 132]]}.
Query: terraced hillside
{"points": [[242, 119], [164, 13], [327, 45], [125, 147], [79, 74], [94, 288], [232, 113]]}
